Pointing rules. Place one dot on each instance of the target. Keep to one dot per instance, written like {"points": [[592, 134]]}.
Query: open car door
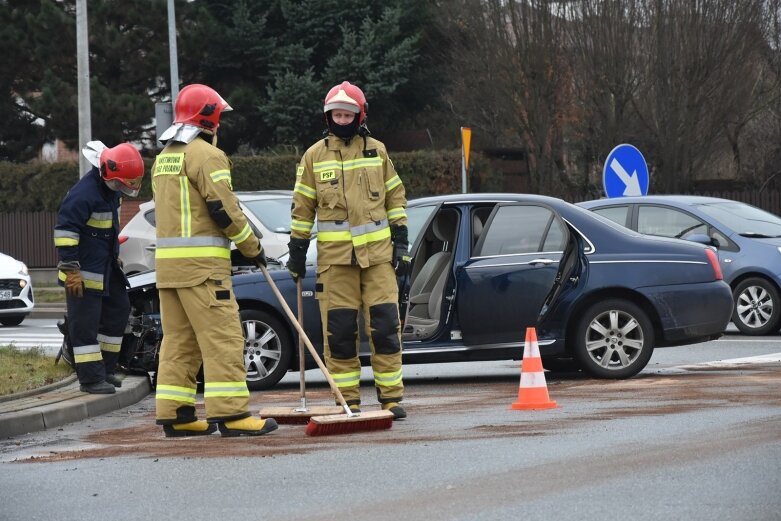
{"points": [[520, 264]]}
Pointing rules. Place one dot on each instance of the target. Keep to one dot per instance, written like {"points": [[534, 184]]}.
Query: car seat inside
{"points": [[428, 284]]}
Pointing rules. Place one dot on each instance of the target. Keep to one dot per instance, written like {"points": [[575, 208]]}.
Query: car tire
{"points": [[613, 339], [13, 320], [268, 349], [757, 307]]}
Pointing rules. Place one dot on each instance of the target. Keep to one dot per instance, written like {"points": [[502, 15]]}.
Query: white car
{"points": [[16, 291], [268, 211]]}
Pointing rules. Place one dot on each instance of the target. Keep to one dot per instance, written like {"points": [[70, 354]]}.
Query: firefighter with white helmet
{"points": [[87, 239], [198, 216], [348, 182]]}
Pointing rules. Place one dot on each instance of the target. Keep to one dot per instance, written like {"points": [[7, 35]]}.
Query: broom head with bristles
{"points": [[344, 424], [291, 416]]}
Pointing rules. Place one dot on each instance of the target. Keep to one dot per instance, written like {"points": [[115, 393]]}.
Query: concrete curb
{"points": [[67, 404]]}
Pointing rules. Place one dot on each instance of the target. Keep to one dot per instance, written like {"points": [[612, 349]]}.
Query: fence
{"points": [[27, 236]]}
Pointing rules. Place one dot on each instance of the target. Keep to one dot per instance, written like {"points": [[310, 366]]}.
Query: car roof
{"points": [[482, 198], [263, 194], [679, 199], [242, 196]]}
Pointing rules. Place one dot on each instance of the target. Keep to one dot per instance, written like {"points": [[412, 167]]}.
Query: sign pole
{"points": [[466, 140]]}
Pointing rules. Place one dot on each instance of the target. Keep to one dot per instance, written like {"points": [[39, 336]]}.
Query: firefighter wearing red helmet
{"points": [[348, 183], [86, 237], [198, 216]]}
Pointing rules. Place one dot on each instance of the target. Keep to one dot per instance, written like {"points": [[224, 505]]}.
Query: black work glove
{"points": [[296, 262], [401, 258], [260, 259]]}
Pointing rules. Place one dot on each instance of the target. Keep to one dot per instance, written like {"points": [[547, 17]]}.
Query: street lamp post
{"points": [[82, 72]]}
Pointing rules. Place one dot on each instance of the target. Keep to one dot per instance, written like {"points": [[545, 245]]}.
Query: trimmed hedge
{"points": [[37, 187]]}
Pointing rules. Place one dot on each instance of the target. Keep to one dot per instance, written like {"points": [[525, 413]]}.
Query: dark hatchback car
{"points": [[487, 266], [746, 238]]}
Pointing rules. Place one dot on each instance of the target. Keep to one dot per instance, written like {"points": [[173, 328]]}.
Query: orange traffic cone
{"points": [[533, 391]]}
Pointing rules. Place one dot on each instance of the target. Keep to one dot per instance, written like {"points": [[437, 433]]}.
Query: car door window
{"points": [[617, 214], [668, 222], [416, 218], [556, 237], [516, 229]]}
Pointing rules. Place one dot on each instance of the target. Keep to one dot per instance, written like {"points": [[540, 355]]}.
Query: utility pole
{"points": [[172, 52], [82, 71]]}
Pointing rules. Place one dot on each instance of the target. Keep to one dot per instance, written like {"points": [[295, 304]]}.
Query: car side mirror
{"points": [[701, 238]]}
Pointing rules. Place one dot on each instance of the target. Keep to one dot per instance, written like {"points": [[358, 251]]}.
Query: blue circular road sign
{"points": [[625, 172]]}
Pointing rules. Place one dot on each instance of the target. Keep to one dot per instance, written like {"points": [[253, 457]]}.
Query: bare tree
{"points": [[699, 67], [513, 81], [604, 39]]}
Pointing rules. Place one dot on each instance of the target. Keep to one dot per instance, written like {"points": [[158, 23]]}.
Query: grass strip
{"points": [[25, 369]]}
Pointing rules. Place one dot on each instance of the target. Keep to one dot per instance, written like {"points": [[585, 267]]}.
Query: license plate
{"points": [[5, 294]]}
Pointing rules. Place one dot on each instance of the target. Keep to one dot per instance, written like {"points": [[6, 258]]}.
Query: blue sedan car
{"points": [[747, 239], [487, 266]]}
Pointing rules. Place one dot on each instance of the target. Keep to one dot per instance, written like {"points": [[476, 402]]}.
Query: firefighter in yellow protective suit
{"points": [[348, 182], [197, 217]]}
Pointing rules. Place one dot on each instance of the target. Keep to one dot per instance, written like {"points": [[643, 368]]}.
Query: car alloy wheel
{"points": [[757, 308], [267, 349], [613, 339]]}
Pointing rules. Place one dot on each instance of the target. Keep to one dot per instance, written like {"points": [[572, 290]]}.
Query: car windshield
{"points": [[744, 219], [273, 213]]}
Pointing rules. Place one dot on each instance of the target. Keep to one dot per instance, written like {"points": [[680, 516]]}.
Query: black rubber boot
{"points": [[98, 388], [114, 380]]}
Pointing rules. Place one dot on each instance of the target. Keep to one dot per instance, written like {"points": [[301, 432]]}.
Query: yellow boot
{"points": [[248, 426], [398, 411], [196, 428]]}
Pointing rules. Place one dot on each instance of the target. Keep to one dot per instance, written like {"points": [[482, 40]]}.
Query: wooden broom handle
{"points": [[302, 334]]}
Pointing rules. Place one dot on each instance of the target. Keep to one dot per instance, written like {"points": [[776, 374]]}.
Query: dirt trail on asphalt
{"points": [[434, 407]]}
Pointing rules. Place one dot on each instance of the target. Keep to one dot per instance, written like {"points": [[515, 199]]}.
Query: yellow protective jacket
{"points": [[197, 215], [355, 193]]}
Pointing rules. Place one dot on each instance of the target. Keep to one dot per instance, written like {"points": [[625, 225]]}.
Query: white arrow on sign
{"points": [[630, 181]]}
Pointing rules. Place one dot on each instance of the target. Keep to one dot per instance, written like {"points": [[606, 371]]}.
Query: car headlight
{"points": [[23, 269]]}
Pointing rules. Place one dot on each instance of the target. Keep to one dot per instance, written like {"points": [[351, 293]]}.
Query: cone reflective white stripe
{"points": [[532, 380], [533, 390]]}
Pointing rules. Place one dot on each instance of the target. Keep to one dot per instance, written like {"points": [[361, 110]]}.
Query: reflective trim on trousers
{"points": [[388, 379], [351, 379], [175, 392], [225, 389]]}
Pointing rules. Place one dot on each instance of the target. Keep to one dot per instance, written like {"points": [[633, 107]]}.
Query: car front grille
{"points": [[12, 284], [11, 304]]}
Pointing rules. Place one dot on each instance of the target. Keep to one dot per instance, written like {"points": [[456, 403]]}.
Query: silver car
{"points": [[268, 211]]}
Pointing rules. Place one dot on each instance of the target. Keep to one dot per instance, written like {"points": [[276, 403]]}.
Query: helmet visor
{"points": [[129, 187]]}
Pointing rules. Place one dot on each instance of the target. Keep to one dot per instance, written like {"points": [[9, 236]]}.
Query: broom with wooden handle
{"points": [[333, 423], [301, 414]]}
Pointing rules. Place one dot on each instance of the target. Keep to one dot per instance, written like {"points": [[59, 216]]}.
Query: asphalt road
{"points": [[695, 436]]}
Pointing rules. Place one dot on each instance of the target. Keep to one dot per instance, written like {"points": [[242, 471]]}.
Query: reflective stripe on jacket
{"points": [[356, 195], [87, 230], [193, 244]]}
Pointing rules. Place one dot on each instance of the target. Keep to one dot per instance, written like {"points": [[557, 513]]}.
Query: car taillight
{"points": [[123, 238], [714, 262]]}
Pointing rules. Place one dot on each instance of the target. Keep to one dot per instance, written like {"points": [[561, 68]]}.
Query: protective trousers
{"points": [[201, 325], [96, 325], [343, 290]]}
